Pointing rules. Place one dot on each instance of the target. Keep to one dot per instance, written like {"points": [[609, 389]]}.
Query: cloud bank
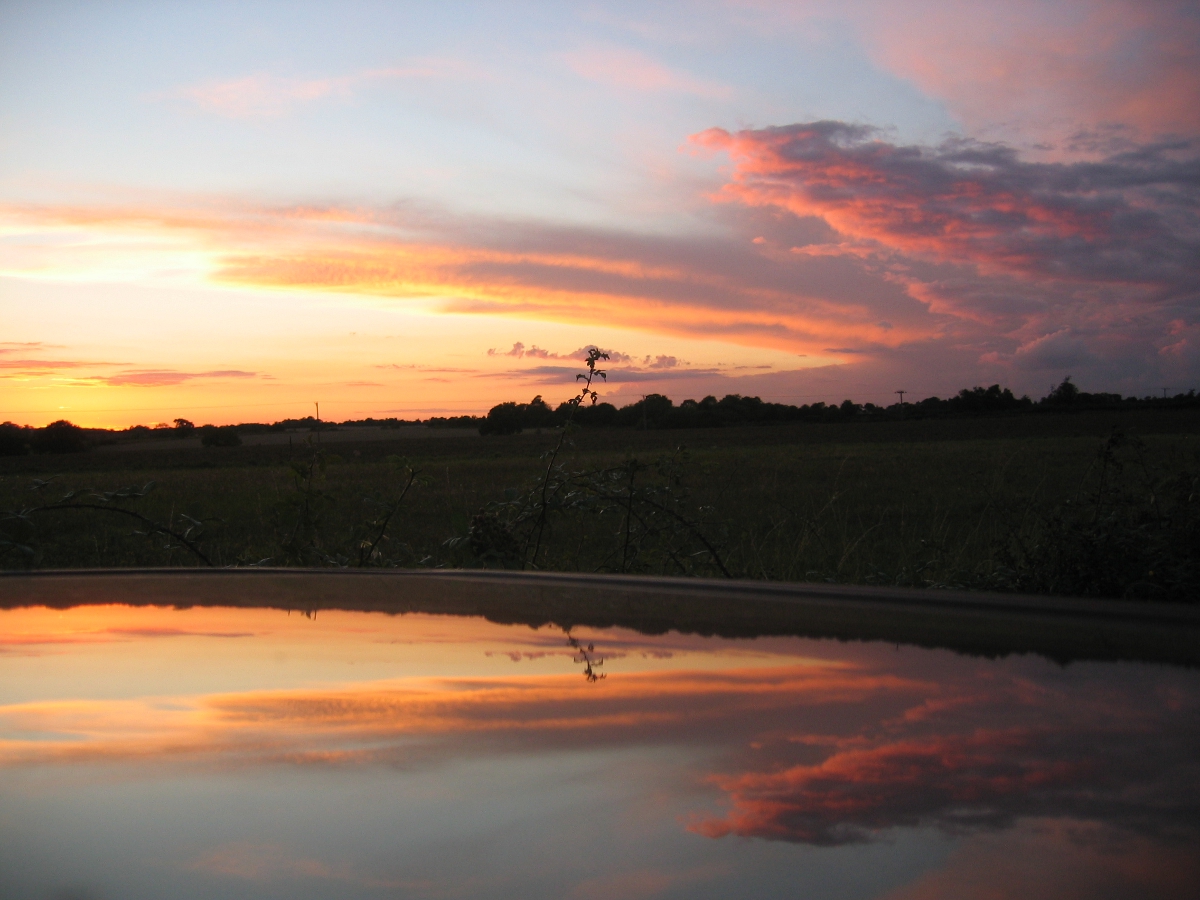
{"points": [[1092, 264], [940, 265]]}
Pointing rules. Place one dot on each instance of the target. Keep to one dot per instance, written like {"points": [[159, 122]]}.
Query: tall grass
{"points": [[973, 513]]}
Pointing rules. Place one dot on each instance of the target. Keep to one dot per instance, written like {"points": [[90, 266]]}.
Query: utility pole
{"points": [[1164, 393], [901, 393], [318, 406]]}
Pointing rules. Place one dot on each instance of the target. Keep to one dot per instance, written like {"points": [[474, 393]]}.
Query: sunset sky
{"points": [[230, 211]]}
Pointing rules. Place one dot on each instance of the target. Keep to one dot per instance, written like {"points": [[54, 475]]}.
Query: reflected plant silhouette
{"points": [[583, 656]]}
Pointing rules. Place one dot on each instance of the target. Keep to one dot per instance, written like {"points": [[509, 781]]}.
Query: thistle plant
{"points": [[652, 528]]}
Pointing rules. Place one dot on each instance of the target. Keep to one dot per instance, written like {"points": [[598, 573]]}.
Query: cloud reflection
{"points": [[965, 762], [822, 753], [825, 749], [397, 722]]}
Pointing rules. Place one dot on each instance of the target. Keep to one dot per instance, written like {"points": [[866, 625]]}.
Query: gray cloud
{"points": [[519, 350]]}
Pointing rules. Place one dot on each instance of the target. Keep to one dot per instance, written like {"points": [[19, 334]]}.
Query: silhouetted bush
{"points": [[1130, 531], [13, 440], [60, 437], [223, 436]]}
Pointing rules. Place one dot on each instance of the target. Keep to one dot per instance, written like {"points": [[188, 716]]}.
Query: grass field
{"points": [[967, 502]]}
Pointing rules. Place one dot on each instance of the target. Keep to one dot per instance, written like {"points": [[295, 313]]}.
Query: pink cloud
{"points": [[160, 377], [259, 95], [1131, 217], [263, 95], [624, 68], [937, 262], [44, 365], [1063, 266], [1045, 70], [25, 346], [957, 781]]}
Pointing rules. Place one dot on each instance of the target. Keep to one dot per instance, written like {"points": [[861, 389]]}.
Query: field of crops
{"points": [[1049, 503]]}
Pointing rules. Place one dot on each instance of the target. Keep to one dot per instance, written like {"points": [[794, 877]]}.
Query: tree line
{"points": [[654, 411]]}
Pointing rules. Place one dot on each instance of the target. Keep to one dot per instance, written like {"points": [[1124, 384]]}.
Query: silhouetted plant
{"points": [[1128, 532], [307, 507], [651, 528], [14, 440], [371, 535], [584, 656], [311, 504], [223, 436], [594, 355], [60, 437], [18, 532]]}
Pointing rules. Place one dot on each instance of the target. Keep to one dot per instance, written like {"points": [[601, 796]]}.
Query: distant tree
{"points": [[1063, 395], [184, 428], [503, 419], [442, 422], [537, 414], [60, 437], [652, 411]]}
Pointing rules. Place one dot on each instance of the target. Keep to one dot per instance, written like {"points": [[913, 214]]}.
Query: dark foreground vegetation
{"points": [[1073, 497]]}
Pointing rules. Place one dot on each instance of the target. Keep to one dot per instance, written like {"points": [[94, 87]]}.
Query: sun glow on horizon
{"points": [[936, 202]]}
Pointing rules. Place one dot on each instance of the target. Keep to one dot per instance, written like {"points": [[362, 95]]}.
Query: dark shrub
{"points": [[1132, 533], [224, 436], [60, 437], [12, 440]]}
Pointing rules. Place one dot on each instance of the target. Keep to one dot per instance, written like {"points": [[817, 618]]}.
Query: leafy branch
{"points": [[588, 393], [82, 499]]}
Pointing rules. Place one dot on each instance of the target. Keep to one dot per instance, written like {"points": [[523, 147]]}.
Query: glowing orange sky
{"points": [[802, 202]]}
